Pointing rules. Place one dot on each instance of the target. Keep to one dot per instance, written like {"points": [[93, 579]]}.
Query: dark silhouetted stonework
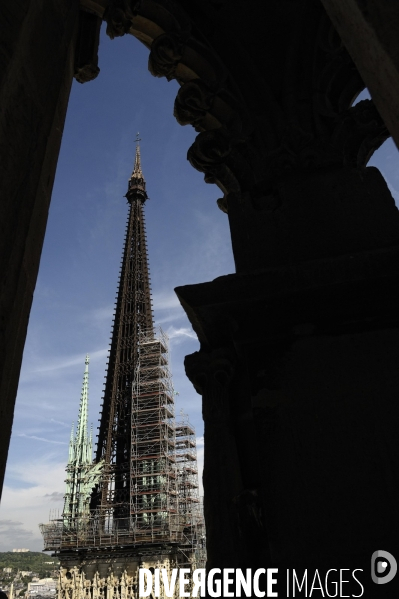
{"points": [[36, 69], [298, 365]]}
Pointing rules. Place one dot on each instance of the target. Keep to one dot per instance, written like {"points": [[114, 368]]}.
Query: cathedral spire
{"points": [[133, 314], [142, 488], [82, 474]]}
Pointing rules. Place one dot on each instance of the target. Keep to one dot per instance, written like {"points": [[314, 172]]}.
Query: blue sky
{"points": [[189, 242]]}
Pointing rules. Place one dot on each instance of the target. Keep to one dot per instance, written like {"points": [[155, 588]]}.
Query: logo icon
{"points": [[383, 567]]}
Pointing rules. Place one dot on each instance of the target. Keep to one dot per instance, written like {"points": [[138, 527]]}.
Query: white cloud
{"points": [[40, 439], [174, 333], [11, 532], [60, 422], [100, 315], [165, 300], [22, 509], [173, 317], [55, 496], [61, 363], [41, 472]]}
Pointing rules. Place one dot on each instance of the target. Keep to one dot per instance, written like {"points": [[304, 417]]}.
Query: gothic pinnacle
{"points": [[82, 474]]}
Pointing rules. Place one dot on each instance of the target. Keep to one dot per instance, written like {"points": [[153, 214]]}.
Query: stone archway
{"points": [[298, 344]]}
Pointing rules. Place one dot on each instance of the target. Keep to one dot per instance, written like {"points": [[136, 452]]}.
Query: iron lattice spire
{"points": [[133, 314]]}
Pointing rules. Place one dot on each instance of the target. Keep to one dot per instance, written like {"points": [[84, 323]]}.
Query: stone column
{"points": [[37, 66], [211, 375], [236, 528]]}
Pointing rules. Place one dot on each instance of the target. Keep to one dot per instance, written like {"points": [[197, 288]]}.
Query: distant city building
{"points": [[44, 587], [26, 573], [23, 550], [7, 570]]}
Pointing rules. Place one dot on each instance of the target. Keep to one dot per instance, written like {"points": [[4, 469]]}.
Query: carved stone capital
{"points": [[211, 374], [360, 131], [166, 53]]}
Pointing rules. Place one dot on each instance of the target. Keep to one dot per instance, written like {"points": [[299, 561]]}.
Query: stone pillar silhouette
{"points": [[37, 67]]}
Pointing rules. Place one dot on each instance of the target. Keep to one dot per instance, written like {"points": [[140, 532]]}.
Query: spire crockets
{"points": [[137, 172], [82, 449]]}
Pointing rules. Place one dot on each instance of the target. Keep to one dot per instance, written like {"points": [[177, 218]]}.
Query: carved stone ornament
{"points": [[297, 150], [355, 135], [119, 16], [86, 73], [359, 133], [211, 374], [76, 584], [166, 53], [209, 154], [210, 150], [307, 123], [193, 101]]}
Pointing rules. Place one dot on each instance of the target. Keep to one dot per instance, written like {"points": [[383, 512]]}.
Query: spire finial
{"points": [[137, 172], [136, 186]]}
